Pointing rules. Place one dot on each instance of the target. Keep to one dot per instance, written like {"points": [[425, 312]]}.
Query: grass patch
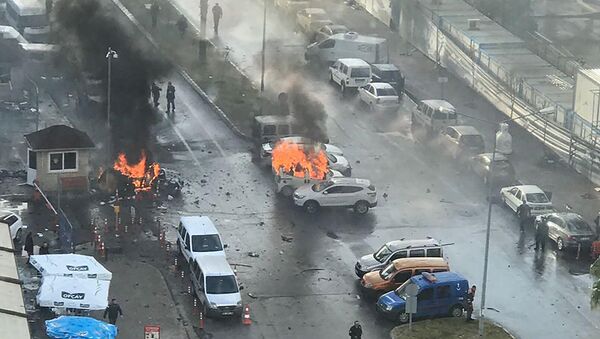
{"points": [[448, 328], [228, 88]]}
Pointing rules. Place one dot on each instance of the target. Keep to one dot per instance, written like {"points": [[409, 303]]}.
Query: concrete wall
{"points": [[48, 181]]}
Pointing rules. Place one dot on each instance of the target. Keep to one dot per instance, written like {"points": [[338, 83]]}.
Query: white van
{"points": [[216, 287], [434, 115], [198, 237], [348, 45], [350, 73]]}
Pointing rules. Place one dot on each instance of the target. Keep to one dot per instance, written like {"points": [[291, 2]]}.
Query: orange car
{"points": [[399, 271]]}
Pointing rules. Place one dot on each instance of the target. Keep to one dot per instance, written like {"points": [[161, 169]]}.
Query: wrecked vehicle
{"points": [[287, 182], [267, 148]]}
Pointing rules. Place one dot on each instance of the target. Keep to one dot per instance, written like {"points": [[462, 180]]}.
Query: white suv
{"points": [[350, 73], [287, 183], [340, 192], [198, 237], [14, 223]]}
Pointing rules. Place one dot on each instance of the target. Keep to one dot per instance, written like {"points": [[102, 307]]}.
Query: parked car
{"points": [[14, 223], [215, 285], [439, 294], [339, 163], [291, 6], [397, 249], [198, 237], [515, 196], [567, 230], [504, 173], [398, 272], [358, 194], [311, 19], [433, 116], [329, 30], [391, 74], [379, 96], [350, 73], [461, 142]]}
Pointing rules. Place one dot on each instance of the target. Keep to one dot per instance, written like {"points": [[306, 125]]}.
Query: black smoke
{"points": [[309, 113], [85, 29]]}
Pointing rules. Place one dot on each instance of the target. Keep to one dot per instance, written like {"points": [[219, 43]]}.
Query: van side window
{"points": [[403, 276], [417, 253], [426, 294], [421, 107], [434, 252], [269, 130], [398, 255], [442, 292], [344, 69], [437, 270], [428, 111], [187, 242], [329, 43], [419, 271]]}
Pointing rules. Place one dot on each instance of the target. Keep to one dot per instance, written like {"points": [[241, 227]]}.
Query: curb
{"points": [[184, 74]]}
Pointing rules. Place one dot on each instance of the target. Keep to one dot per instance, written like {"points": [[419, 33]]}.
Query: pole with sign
{"points": [[411, 302]]}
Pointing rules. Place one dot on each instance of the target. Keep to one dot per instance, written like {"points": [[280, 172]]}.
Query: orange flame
{"points": [[296, 158], [141, 174]]}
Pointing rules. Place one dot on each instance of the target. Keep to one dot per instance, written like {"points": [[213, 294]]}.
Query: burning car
{"points": [[131, 179], [267, 148], [287, 183]]}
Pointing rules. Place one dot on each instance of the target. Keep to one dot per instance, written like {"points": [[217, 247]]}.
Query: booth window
{"points": [[63, 162]]}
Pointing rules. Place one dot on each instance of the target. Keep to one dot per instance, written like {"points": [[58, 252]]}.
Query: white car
{"points": [[309, 20], [337, 192], [267, 148], [339, 163], [515, 196], [287, 184], [350, 73], [14, 223], [379, 96]]}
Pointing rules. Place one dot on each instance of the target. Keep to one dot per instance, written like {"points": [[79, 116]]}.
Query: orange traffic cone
{"points": [[246, 316]]}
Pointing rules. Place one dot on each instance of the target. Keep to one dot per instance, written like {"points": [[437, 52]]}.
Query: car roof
{"points": [[567, 215], [379, 85], [351, 181], [530, 189], [354, 62], [315, 10], [404, 263], [274, 119], [497, 157], [466, 130], [441, 277], [386, 67], [214, 265], [443, 104], [199, 225], [412, 243], [353, 36]]}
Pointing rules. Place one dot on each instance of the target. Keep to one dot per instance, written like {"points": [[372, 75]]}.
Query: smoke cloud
{"points": [[86, 29], [309, 113]]}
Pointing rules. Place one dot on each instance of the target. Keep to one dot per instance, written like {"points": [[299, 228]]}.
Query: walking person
{"points": [[469, 303], [541, 233], [155, 90], [113, 311], [170, 98], [524, 213], [355, 331], [28, 245], [154, 9], [45, 248], [217, 15]]}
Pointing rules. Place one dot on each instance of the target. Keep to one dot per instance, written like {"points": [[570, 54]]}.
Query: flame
{"points": [[296, 158], [142, 175]]}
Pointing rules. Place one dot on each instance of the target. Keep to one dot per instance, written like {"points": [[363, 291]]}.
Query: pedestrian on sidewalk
{"points": [[154, 9], [541, 233], [170, 98], [469, 303], [182, 25], [524, 213], [113, 311], [217, 15], [45, 248], [155, 90], [355, 331], [28, 245]]}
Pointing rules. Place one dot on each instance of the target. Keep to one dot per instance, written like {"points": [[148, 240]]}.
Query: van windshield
{"points": [[387, 272], [401, 291], [383, 253], [360, 72], [206, 243], [221, 285]]}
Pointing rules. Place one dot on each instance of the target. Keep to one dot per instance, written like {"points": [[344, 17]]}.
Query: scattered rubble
{"points": [[287, 238]]}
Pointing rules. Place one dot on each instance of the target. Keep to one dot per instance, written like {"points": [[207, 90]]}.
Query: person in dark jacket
{"points": [[469, 302], [155, 90], [355, 331], [217, 15], [541, 233], [29, 245], [170, 98], [45, 248], [524, 213], [113, 311]]}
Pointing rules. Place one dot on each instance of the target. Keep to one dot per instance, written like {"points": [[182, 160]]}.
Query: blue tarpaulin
{"points": [[72, 327]]}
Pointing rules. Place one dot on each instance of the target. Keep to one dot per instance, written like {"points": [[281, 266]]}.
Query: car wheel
{"points": [[403, 318], [311, 207], [560, 244], [361, 207], [456, 311], [19, 235], [287, 191]]}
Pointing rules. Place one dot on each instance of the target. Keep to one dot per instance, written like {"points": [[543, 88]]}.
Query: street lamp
{"points": [[262, 71], [111, 54], [489, 219]]}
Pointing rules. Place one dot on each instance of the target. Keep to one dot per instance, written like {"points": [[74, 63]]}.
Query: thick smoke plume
{"points": [[85, 30], [309, 113]]}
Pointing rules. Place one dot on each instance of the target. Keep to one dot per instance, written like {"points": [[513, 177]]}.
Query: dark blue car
{"points": [[440, 294]]}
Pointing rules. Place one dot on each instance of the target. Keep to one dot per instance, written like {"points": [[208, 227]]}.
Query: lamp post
{"points": [[264, 33], [111, 54]]}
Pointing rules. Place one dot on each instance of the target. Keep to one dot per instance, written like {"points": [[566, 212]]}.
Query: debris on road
{"points": [[253, 254], [287, 238]]}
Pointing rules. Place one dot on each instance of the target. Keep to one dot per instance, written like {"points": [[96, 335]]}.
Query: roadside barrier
{"points": [[246, 315]]}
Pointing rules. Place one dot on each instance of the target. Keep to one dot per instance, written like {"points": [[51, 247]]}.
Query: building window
{"points": [[63, 162]]}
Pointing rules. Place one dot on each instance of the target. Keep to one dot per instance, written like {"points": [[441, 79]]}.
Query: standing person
{"points": [[182, 25], [469, 303], [45, 249], [355, 331], [217, 15], [155, 90], [541, 233], [524, 213], [154, 9], [29, 245], [113, 311], [170, 98]]}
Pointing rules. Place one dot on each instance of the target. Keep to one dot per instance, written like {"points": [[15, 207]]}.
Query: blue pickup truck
{"points": [[440, 294]]}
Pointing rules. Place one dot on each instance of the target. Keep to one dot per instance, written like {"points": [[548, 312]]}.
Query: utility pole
{"points": [[109, 56], [264, 37]]}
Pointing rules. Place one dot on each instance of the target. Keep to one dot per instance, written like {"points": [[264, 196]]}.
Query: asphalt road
{"points": [[307, 287]]}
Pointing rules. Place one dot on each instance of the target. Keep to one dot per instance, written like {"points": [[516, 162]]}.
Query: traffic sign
{"points": [[411, 299], [151, 332]]}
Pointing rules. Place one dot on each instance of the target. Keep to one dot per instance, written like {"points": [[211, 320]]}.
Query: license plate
{"points": [[227, 313]]}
